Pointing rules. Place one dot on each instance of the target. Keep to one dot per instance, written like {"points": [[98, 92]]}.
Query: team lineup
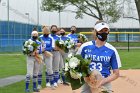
{"points": [[104, 57]]}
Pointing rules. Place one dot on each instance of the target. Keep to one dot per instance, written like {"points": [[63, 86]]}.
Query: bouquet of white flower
{"points": [[76, 69], [65, 45], [29, 47], [69, 44], [82, 38], [77, 73]]}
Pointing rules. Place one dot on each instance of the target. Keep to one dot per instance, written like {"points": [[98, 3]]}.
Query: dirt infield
{"points": [[129, 82]]}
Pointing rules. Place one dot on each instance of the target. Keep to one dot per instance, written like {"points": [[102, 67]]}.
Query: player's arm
{"points": [[81, 51], [111, 78], [115, 64]]}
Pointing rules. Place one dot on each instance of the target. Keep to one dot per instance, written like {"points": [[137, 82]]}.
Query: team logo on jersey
{"points": [[87, 51], [47, 42], [98, 58]]}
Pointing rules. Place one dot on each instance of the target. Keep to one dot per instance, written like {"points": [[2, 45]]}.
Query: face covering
{"points": [[46, 35], [101, 36], [53, 32], [34, 37], [62, 34], [72, 31]]}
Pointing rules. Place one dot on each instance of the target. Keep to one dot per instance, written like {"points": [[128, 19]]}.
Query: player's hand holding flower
{"points": [[64, 46], [29, 47], [96, 82]]}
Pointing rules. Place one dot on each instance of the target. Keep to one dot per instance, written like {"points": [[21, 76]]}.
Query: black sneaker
{"points": [[36, 90], [66, 84]]}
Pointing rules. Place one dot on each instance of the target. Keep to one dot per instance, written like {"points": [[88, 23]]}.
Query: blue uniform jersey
{"points": [[54, 38], [73, 37], [103, 58], [47, 43], [64, 38], [39, 49]]}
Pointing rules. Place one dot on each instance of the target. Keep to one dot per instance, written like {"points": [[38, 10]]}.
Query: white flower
{"points": [[66, 42], [73, 62], [75, 75], [66, 66], [30, 47], [79, 75], [71, 41], [69, 46], [24, 49], [61, 42], [26, 43], [69, 55], [30, 40]]}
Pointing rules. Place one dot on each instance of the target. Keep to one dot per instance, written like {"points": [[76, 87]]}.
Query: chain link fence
{"points": [[13, 34]]}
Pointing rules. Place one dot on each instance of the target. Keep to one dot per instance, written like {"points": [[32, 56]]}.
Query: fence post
{"points": [[128, 43]]}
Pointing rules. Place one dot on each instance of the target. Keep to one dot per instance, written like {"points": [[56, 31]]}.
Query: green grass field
{"points": [[16, 65], [125, 44]]}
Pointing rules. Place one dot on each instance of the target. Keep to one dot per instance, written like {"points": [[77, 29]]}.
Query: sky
{"points": [[18, 8]]}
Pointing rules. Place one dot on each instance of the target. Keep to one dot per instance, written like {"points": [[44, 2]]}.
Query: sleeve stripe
{"points": [[83, 45], [116, 53]]}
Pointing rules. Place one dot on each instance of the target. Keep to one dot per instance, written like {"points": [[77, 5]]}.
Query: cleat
{"points": [[27, 91], [36, 90], [48, 85], [55, 84], [39, 87]]}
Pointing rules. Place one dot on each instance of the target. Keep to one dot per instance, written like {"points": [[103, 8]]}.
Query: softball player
{"points": [[63, 57], [56, 54], [33, 65], [103, 55], [47, 45], [74, 37]]}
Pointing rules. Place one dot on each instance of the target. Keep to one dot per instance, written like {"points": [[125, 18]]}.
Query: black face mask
{"points": [[53, 32], [34, 37], [101, 36], [46, 35], [72, 31], [62, 34]]}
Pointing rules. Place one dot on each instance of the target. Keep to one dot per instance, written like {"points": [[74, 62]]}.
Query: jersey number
{"points": [[97, 66]]}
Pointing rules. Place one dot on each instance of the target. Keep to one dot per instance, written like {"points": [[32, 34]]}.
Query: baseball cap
{"points": [[34, 32], [100, 26]]}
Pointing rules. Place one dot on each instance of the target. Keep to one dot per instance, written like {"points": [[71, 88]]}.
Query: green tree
{"points": [[108, 10]]}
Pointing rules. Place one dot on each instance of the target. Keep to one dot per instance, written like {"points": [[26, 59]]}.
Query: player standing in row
{"points": [[33, 64], [74, 37], [104, 57], [47, 59], [63, 57], [56, 54]]}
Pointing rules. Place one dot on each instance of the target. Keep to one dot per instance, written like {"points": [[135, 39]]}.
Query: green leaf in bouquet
{"points": [[35, 45], [75, 83], [23, 43], [66, 49], [39, 39], [79, 57], [61, 46], [67, 60]]}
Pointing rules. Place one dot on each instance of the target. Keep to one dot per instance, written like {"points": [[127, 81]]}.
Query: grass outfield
{"points": [[131, 59], [125, 44], [16, 65]]}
